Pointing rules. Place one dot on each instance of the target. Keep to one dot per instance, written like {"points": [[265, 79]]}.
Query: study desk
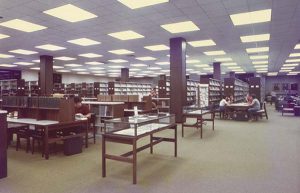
{"points": [[198, 114], [239, 111], [3, 144], [128, 130], [48, 125]]}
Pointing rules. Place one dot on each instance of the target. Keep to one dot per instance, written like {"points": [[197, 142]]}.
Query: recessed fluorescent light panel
{"points": [[58, 67], [79, 69], [73, 65], [159, 47], [64, 58], [162, 63], [84, 42], [292, 55], [138, 65], [22, 25], [202, 43], [63, 71], [215, 53], [24, 63], [50, 47], [290, 64], [223, 59], [293, 60], [180, 27], [260, 62], [255, 38], [135, 4], [251, 17], [121, 52], [6, 56], [256, 50], [126, 35], [118, 61], [146, 58], [260, 57], [3, 36], [94, 63], [23, 52], [70, 13], [192, 61], [8, 65], [90, 55], [297, 46], [229, 64]]}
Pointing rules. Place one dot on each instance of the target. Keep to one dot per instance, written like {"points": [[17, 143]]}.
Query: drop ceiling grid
{"points": [[213, 20]]}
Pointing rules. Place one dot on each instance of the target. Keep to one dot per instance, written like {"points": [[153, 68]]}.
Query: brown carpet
{"points": [[238, 157]]}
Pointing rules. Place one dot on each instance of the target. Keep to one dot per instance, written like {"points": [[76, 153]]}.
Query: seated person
{"points": [[223, 103], [248, 99], [81, 108], [255, 106]]}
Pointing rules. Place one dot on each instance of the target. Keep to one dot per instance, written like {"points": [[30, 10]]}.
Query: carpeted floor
{"points": [[238, 157]]}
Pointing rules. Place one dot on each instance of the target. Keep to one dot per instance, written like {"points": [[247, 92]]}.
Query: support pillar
{"points": [[46, 75], [217, 70], [177, 77], [124, 74], [232, 74], [3, 144]]}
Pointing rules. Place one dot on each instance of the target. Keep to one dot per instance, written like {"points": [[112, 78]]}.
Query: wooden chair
{"points": [[23, 133], [262, 113], [287, 108], [92, 127]]}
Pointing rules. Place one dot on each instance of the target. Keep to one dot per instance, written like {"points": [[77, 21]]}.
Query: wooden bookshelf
{"points": [[236, 88], [129, 88], [211, 91], [12, 87]]}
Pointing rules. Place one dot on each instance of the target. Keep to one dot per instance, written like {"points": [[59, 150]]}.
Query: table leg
{"points": [[134, 162], [87, 135], [151, 143], [103, 157], [175, 129], [46, 142]]}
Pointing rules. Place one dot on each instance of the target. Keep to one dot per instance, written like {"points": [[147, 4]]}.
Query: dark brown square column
{"points": [[46, 75], [232, 74], [3, 144], [124, 74], [217, 70], [177, 77]]}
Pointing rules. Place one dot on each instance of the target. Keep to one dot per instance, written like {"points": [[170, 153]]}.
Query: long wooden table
{"points": [[48, 125], [3, 144], [130, 137], [240, 110], [198, 114]]}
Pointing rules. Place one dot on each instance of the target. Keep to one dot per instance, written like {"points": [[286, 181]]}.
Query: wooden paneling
{"points": [[177, 77]]}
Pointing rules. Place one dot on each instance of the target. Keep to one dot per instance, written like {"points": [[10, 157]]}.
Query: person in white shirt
{"points": [[223, 104]]}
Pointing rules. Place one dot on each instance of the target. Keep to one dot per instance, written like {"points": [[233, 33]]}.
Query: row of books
{"points": [[31, 102]]}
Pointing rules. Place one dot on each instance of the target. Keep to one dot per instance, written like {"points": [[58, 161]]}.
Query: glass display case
{"points": [[138, 125]]}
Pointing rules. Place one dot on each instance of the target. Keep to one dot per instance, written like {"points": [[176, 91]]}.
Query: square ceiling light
{"points": [[260, 62], [162, 63], [79, 69], [82, 73], [118, 61], [293, 60], [192, 61], [8, 65], [260, 66], [272, 73], [251, 17], [202, 65], [24, 52], [64, 58], [2, 36], [288, 68], [6, 56], [223, 59], [214, 53], [138, 65], [70, 13], [96, 68], [94, 63], [290, 64], [202, 43], [135, 4], [121, 52], [84, 42], [73, 65], [159, 47], [145, 58], [229, 64], [63, 71], [57, 67], [255, 38], [180, 27], [90, 55], [297, 46], [292, 55], [50, 47], [259, 57], [35, 68], [24, 63], [22, 25], [126, 35], [256, 50]]}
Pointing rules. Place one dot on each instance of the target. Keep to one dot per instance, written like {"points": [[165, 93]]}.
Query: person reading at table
{"points": [[81, 108], [223, 103], [254, 106]]}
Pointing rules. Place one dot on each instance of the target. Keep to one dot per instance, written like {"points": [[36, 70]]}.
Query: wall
{"points": [[270, 80], [77, 78]]}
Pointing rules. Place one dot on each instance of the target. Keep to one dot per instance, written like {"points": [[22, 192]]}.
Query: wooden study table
{"points": [[198, 114], [48, 125], [3, 144], [240, 110], [129, 130]]}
